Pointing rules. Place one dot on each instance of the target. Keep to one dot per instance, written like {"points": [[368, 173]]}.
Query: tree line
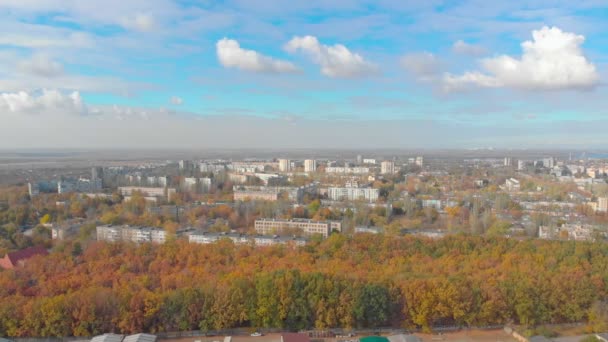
{"points": [[363, 281]]}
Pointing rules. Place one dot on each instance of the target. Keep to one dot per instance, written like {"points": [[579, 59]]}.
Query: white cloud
{"points": [[424, 65], [39, 37], [464, 48], [143, 22], [552, 60], [46, 101], [335, 61], [177, 101], [231, 55], [41, 65]]}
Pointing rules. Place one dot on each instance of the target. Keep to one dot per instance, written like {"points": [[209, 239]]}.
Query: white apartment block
{"points": [[310, 165], [352, 194], [284, 165], [208, 238], [190, 183], [369, 161], [112, 233], [243, 195], [348, 170], [308, 227], [128, 191], [512, 184], [387, 167]]}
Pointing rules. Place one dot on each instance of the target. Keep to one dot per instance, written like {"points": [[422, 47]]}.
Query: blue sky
{"points": [[270, 73]]}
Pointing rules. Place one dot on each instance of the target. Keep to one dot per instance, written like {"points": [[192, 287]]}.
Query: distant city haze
{"points": [[304, 74]]}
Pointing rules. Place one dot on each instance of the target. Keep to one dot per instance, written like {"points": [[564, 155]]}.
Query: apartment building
{"points": [[310, 165], [113, 233], [239, 239], [352, 194], [357, 170], [284, 165], [387, 167], [308, 227]]}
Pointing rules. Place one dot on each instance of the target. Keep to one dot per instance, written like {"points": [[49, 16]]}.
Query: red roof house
{"points": [[14, 259]]}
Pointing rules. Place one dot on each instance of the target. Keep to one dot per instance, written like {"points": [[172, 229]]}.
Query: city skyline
{"points": [[345, 74]]}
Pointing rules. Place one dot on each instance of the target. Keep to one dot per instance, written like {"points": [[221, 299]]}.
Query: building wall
{"points": [[268, 227], [352, 194], [284, 165], [255, 195], [310, 165], [387, 168]]}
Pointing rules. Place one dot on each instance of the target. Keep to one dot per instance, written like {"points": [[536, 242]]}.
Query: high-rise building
{"points": [[508, 161], [420, 161], [96, 178], [521, 165], [185, 165], [96, 173], [387, 167], [310, 165], [549, 162], [284, 165]]}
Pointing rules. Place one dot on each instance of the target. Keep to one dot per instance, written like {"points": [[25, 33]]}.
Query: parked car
{"points": [[256, 334]]}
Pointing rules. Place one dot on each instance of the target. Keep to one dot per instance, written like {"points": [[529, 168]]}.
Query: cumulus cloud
{"points": [[177, 101], [423, 65], [42, 102], [464, 48], [42, 66], [335, 61], [231, 55], [552, 60]]}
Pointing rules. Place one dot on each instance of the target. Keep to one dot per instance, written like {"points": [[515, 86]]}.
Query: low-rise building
{"points": [[159, 192], [577, 232], [308, 227], [66, 229], [357, 170], [113, 233], [243, 195], [240, 239], [512, 184]]}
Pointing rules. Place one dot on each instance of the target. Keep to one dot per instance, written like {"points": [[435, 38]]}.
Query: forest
{"points": [[351, 282]]}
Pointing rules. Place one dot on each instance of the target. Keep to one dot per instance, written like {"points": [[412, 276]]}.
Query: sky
{"points": [[351, 74]]}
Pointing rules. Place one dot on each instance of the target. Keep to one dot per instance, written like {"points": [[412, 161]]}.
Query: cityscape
{"points": [[303, 171]]}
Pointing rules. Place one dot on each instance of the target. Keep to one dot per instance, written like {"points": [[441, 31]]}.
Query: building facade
{"points": [[112, 233], [387, 167], [352, 194], [310, 165], [308, 227], [284, 165]]}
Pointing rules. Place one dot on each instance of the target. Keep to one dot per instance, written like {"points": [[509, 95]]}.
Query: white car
{"points": [[256, 334]]}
